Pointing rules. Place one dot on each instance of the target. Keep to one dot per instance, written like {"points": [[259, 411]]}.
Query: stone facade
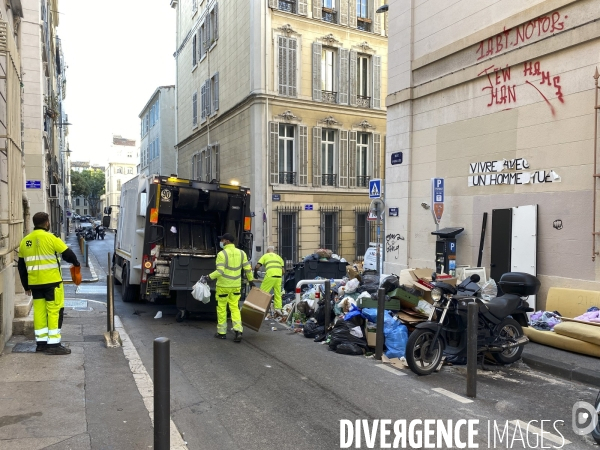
{"points": [[285, 66], [122, 166], [476, 82]]}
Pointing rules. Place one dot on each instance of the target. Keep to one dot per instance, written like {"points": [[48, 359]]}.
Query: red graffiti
{"points": [[514, 37], [500, 92]]}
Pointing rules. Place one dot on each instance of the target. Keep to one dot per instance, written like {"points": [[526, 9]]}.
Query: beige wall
{"points": [[450, 113]]}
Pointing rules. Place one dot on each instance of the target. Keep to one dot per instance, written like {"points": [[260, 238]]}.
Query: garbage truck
{"points": [[167, 236]]}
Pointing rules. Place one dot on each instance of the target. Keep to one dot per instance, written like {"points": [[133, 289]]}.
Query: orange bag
{"points": [[76, 274]]}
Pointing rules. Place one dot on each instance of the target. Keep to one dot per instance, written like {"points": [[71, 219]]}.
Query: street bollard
{"points": [[327, 304], [111, 337], [379, 331], [85, 253], [162, 394], [472, 322]]}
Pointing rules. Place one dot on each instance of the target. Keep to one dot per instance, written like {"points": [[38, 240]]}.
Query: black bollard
{"points": [[472, 321], [162, 394], [327, 304], [379, 333]]}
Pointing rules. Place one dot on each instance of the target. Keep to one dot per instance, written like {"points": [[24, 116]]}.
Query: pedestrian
{"points": [[228, 273], [274, 271], [41, 276], [97, 232]]}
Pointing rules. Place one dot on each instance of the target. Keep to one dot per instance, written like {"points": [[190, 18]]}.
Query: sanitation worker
{"points": [[228, 273], [40, 273], [274, 271]]}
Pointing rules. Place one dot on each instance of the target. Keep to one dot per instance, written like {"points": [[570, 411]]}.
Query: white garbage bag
{"points": [[352, 286], [201, 292]]}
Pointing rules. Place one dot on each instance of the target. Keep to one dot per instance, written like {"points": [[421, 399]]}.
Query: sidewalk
{"points": [[88, 274], [88, 399]]}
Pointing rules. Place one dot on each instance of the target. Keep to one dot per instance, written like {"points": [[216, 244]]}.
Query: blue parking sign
{"points": [[375, 188], [437, 190]]}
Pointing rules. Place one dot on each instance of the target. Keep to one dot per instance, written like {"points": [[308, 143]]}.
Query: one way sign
{"points": [[375, 188]]}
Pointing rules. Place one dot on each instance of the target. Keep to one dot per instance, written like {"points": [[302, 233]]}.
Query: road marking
{"points": [[76, 304], [530, 428], [90, 289], [391, 370], [144, 382], [452, 395]]}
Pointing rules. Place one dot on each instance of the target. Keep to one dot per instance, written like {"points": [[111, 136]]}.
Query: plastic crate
{"points": [[310, 270]]}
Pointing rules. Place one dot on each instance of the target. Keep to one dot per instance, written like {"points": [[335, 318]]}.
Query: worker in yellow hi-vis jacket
{"points": [[274, 272], [40, 273], [228, 273]]}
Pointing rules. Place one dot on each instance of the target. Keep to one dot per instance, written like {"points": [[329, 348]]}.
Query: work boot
{"points": [[238, 336], [220, 336], [41, 347], [57, 350]]}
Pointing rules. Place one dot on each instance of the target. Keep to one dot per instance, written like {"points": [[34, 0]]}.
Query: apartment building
{"points": [[157, 133], [498, 100], [287, 98], [121, 166]]}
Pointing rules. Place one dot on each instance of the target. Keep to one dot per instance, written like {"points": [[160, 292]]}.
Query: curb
{"points": [[562, 370]]}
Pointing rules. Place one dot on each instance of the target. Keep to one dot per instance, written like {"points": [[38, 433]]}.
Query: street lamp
{"points": [[382, 9]]}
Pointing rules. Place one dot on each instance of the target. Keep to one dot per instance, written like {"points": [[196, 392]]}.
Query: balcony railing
{"points": [[329, 15], [287, 177], [288, 6], [363, 102], [329, 97], [362, 181], [363, 24], [329, 179]]}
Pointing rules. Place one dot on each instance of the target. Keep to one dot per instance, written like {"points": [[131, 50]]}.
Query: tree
{"points": [[90, 185]]}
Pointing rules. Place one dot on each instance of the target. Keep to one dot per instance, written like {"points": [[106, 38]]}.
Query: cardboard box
{"points": [[425, 275], [255, 308], [351, 272], [371, 335]]}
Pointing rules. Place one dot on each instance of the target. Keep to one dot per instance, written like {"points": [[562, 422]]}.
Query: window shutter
{"points": [[352, 159], [377, 20], [316, 153], [317, 9], [352, 14], [195, 109], [216, 93], [274, 148], [376, 155], [292, 68], [343, 9], [371, 13], [273, 4], [376, 82], [302, 7], [208, 93], [343, 73], [194, 50], [202, 39], [283, 65], [353, 79], [217, 159], [216, 21], [316, 71], [203, 103], [302, 155], [343, 159]]}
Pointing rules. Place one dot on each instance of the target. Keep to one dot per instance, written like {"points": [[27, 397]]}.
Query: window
{"points": [[362, 15], [195, 109], [288, 234], [365, 232], [362, 81], [287, 6], [327, 76], [119, 170], [129, 171], [76, 202], [202, 43], [85, 211], [287, 174], [85, 202], [328, 175], [118, 185], [194, 6], [330, 229], [78, 211], [194, 51], [362, 158], [206, 164], [214, 93], [329, 14], [287, 66], [213, 17]]}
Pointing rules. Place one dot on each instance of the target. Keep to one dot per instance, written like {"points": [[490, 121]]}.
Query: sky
{"points": [[117, 53]]}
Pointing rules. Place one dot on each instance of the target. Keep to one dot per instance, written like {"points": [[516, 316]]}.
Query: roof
{"points": [[118, 140], [171, 86], [80, 163]]}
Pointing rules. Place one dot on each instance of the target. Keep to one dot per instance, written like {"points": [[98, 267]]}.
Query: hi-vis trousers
{"points": [[273, 283], [48, 307], [231, 297]]}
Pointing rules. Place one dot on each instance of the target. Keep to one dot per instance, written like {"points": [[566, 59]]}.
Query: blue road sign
{"points": [[437, 190], [396, 158], [276, 197], [393, 212], [33, 184], [308, 207], [375, 188]]}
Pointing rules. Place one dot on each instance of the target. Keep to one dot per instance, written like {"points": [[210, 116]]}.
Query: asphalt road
{"points": [[278, 390]]}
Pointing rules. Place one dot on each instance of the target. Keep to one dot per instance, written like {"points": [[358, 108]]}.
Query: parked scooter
{"points": [[499, 329], [89, 234]]}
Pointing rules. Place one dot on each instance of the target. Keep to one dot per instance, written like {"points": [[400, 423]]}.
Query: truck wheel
{"points": [[128, 292], [117, 282]]}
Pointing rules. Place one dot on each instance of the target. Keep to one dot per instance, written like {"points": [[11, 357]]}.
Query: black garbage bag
{"points": [[287, 298], [341, 335], [390, 283], [370, 284], [312, 329], [313, 257], [319, 314], [350, 349], [289, 281]]}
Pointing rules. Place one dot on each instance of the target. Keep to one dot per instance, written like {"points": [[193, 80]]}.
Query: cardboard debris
{"points": [[396, 363], [255, 308]]}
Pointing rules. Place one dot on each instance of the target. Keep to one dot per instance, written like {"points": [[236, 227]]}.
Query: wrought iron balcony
{"points": [[362, 181], [329, 15], [329, 96], [329, 179], [363, 102], [288, 6], [287, 177]]}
